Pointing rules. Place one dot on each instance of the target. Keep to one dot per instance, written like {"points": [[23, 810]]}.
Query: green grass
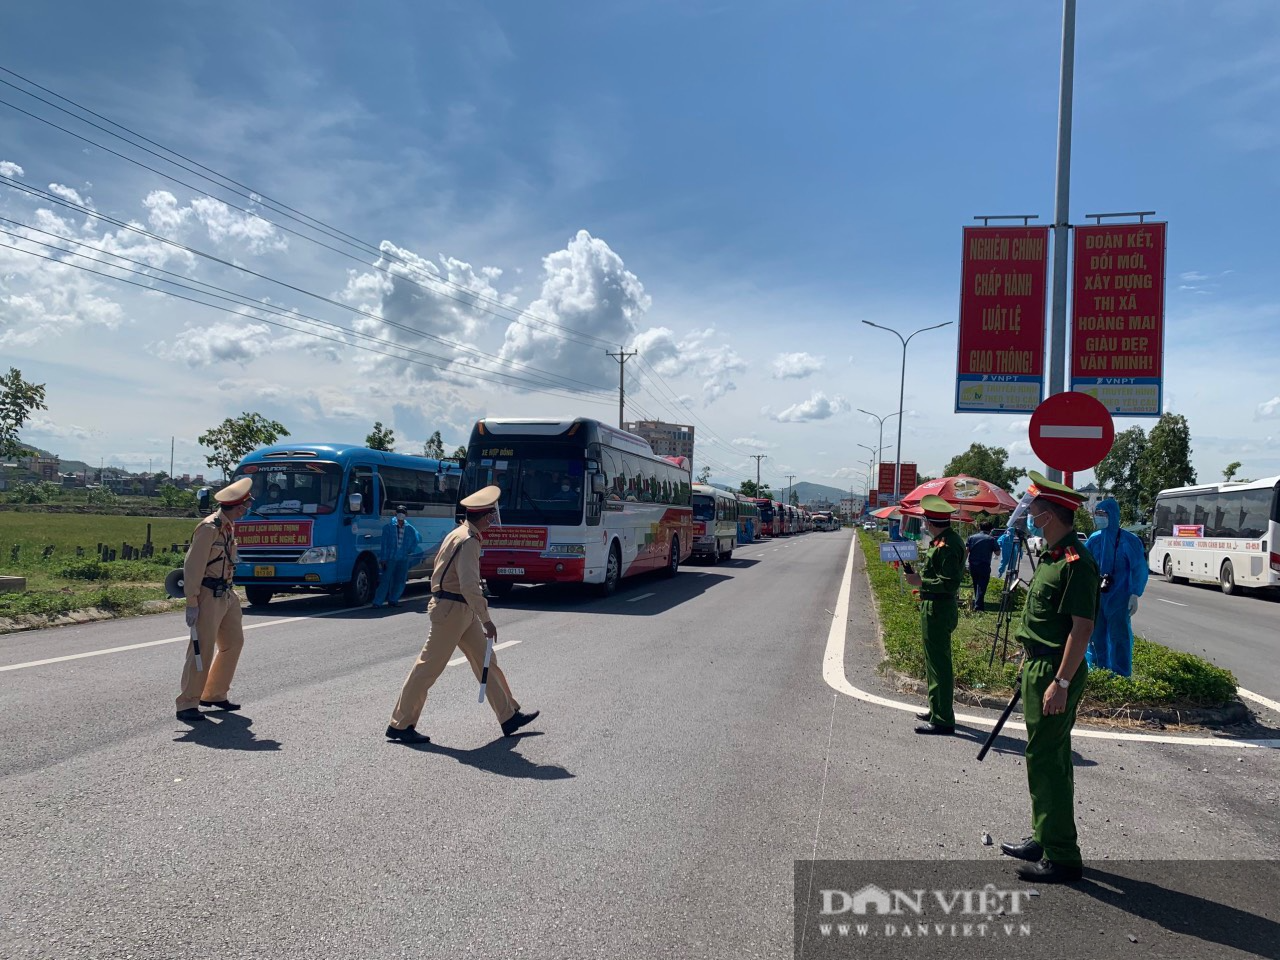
{"points": [[63, 582], [1161, 677]]}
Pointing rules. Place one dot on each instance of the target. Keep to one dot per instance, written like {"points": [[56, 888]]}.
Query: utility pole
{"points": [[757, 457], [171, 458], [1061, 212], [790, 477], [622, 359]]}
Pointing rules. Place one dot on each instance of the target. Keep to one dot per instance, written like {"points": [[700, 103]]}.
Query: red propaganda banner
{"points": [[1117, 317], [515, 538], [909, 478], [274, 533], [884, 482], [1000, 366], [873, 498]]}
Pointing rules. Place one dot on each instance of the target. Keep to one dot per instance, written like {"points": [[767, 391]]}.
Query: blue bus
{"points": [[318, 513]]}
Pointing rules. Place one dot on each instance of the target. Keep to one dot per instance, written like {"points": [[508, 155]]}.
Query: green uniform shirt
{"points": [[943, 564], [1065, 586]]}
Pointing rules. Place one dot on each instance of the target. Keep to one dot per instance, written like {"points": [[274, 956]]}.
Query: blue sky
{"points": [[723, 186]]}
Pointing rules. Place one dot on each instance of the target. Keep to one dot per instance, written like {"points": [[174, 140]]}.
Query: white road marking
{"points": [[1174, 602], [185, 638], [497, 646], [646, 596], [833, 673], [1259, 699]]}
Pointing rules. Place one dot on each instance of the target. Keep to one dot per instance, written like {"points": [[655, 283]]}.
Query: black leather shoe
{"points": [[220, 704], [924, 714], [517, 721], [1028, 849], [935, 728], [407, 735], [1046, 871], [191, 715]]}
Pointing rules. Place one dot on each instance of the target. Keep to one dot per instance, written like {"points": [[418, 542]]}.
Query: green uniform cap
{"points": [[935, 508], [1055, 492]]}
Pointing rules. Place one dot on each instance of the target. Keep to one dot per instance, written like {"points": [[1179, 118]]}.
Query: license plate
{"points": [[264, 571], [511, 571]]}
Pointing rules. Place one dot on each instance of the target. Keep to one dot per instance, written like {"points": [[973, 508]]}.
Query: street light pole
{"points": [[902, 388], [880, 442]]}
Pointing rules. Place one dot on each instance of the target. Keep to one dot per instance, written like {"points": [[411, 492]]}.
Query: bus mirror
{"points": [[593, 466], [355, 502], [203, 499], [597, 483]]}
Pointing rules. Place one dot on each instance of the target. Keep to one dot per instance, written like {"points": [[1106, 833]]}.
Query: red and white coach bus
{"points": [[581, 502]]}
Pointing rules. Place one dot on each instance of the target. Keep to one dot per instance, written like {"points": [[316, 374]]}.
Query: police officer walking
{"points": [[939, 582], [1057, 622], [981, 548], [459, 618], [213, 608]]}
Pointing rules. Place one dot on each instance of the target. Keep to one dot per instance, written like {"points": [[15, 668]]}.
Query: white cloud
{"points": [[751, 443], [981, 427], [10, 169], [67, 193], [1021, 425], [818, 407], [1192, 276], [242, 229], [849, 473], [222, 342], [796, 366], [45, 427], [697, 354], [1268, 409]]}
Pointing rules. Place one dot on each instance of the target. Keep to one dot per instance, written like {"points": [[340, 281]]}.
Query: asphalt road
{"points": [[688, 755], [1241, 633]]}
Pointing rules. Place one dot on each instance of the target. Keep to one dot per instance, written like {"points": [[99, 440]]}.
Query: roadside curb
{"points": [[77, 617]]}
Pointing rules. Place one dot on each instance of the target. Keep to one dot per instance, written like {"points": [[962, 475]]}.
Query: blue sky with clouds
{"points": [[722, 186]]}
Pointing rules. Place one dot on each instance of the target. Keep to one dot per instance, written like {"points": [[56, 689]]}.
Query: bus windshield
{"points": [[541, 483], [704, 507], [293, 488]]}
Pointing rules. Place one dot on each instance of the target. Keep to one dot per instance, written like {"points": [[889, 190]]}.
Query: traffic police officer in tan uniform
{"points": [[212, 605], [939, 582], [459, 618], [1057, 622]]}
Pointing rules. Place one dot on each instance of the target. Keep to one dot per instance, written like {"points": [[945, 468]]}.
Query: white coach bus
{"points": [[715, 522], [1228, 533]]}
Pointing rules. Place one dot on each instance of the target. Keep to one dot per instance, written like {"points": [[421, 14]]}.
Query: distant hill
{"points": [[808, 492]]}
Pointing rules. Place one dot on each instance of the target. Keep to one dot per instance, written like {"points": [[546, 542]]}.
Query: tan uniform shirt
{"points": [[457, 568], [212, 554]]}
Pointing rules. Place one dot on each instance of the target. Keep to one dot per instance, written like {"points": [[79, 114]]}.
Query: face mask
{"points": [[1102, 521], [1033, 529]]}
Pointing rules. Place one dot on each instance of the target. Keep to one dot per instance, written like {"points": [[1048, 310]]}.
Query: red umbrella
{"points": [[964, 493], [884, 513]]}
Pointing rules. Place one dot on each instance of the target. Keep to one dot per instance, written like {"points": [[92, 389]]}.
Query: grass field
{"points": [[1161, 677], [63, 582]]}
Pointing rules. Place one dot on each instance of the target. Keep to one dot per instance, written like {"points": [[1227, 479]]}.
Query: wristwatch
{"points": [[1064, 684]]}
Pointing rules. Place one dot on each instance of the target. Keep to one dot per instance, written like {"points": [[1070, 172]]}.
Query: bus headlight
{"points": [[319, 555]]}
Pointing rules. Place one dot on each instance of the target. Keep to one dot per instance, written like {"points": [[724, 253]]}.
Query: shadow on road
{"points": [[628, 601], [229, 731], [498, 757], [1190, 915], [1010, 745]]}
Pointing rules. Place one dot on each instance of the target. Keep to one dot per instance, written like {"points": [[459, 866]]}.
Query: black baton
{"points": [[1004, 717]]}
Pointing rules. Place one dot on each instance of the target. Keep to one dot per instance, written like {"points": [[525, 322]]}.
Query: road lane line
{"points": [[497, 646], [1174, 602], [834, 675], [185, 638], [1259, 699], [646, 596]]}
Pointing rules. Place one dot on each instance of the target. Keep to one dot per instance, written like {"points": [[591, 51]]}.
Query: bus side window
{"points": [[362, 483]]}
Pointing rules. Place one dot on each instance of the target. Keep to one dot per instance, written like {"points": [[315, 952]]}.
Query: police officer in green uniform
{"points": [[939, 582], [1057, 621]]}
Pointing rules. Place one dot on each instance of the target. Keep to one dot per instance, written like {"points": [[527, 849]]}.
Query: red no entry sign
{"points": [[1071, 431]]}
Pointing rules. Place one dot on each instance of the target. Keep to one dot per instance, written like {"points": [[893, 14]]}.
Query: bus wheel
{"points": [[673, 562], [258, 596], [1168, 572], [612, 572], [363, 584], [1227, 578]]}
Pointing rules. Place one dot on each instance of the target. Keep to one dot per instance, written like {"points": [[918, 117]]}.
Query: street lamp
{"points": [[902, 389], [880, 442]]}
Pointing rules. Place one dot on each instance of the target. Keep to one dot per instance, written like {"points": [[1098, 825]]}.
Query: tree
{"points": [[234, 438], [1230, 470], [1166, 462], [434, 448], [382, 438], [985, 463], [795, 499], [460, 453], [1117, 474], [704, 475], [748, 489], [17, 399]]}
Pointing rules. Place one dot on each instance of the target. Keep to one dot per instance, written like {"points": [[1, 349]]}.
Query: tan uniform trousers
{"points": [[221, 636], [453, 625]]}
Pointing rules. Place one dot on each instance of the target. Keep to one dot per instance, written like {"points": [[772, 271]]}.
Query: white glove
{"points": [[193, 614], [1133, 606]]}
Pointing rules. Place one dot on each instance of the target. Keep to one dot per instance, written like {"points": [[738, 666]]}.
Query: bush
{"points": [[83, 568]]}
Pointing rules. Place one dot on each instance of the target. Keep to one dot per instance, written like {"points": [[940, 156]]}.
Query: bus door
{"points": [[366, 524]]}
